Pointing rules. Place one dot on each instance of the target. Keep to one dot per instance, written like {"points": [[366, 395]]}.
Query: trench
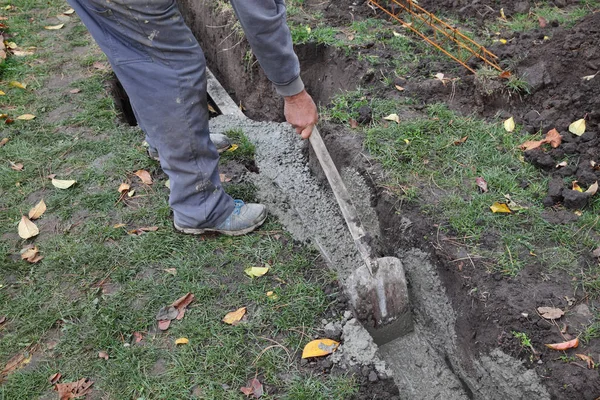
{"points": [[435, 361]]}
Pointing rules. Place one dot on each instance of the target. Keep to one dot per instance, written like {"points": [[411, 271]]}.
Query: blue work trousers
{"points": [[162, 68]]}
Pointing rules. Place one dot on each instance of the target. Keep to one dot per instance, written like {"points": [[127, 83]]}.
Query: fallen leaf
{"points": [[16, 362], [63, 184], [577, 187], [255, 272], [461, 140], [482, 184], [502, 15], [31, 254], [440, 76], [399, 88], [182, 340], [2, 319], [144, 176], [131, 193], [550, 312], [38, 210], [505, 75], [16, 166], [319, 348], [117, 226], [272, 295], [100, 66], [254, 387], [168, 184], [571, 344], [27, 229], [163, 324], [589, 360], [54, 27], [596, 253], [74, 91], [353, 123], [18, 84], [124, 187], [397, 34], [139, 231], [73, 390], [51, 176], [8, 121], [392, 117], [224, 178], [561, 164], [172, 271], [592, 189], [500, 208], [181, 304], [579, 213], [137, 337], [542, 21], [233, 148], [512, 205], [3, 141], [509, 124], [589, 77], [55, 378], [2, 93], [577, 127], [553, 138], [234, 317], [26, 117], [69, 11], [103, 354], [23, 53]]}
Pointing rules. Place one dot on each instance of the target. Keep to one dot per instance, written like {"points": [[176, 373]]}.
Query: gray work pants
{"points": [[162, 68]]}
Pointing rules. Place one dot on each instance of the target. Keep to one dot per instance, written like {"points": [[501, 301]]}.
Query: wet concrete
{"points": [[425, 364]]}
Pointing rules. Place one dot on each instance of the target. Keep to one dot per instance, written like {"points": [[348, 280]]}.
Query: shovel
{"points": [[377, 289]]}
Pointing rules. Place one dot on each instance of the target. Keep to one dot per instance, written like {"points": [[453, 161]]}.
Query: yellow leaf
{"points": [[509, 125], [577, 187], [27, 229], [26, 117], [117, 226], [578, 213], [577, 127], [234, 317], [502, 15], [503, 41], [406, 141], [500, 208], [592, 189], [168, 184], [392, 117], [18, 84], [54, 27], [69, 11], [63, 184], [255, 272], [172, 271], [308, 29], [38, 210], [399, 88], [182, 340], [2, 93], [23, 53], [131, 193], [319, 348], [233, 147], [11, 45], [272, 295], [396, 34]]}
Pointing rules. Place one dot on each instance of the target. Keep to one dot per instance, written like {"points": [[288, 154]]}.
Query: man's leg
{"points": [[162, 68]]}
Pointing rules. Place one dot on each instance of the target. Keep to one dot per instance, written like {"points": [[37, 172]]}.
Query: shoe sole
{"points": [[194, 231], [218, 150]]}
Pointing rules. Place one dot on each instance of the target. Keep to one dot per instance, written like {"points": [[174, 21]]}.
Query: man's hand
{"points": [[301, 112]]}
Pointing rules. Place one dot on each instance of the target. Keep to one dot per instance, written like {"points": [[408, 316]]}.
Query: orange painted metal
{"points": [[446, 38]]}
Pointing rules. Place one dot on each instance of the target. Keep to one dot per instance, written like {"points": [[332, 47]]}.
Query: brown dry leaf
{"points": [[31, 254], [589, 360], [234, 317], [124, 187], [482, 184], [38, 210], [55, 378], [103, 354], [16, 166], [224, 178], [319, 348], [596, 253], [73, 390], [54, 27], [181, 304], [16, 362], [74, 91], [254, 387], [532, 144], [2, 319], [142, 230], [353, 123], [550, 312], [461, 140], [8, 121], [137, 337], [100, 65], [27, 229], [542, 21], [592, 189], [553, 138], [500, 208], [571, 344], [3, 141], [163, 324], [144, 176], [117, 226]]}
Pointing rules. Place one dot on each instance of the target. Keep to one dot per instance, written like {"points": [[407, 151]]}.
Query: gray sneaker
{"points": [[244, 219], [220, 141]]}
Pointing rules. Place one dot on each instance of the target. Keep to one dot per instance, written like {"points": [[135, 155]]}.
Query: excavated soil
{"points": [[463, 347]]}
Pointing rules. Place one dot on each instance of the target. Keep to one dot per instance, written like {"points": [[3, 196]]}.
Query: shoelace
{"points": [[238, 206]]}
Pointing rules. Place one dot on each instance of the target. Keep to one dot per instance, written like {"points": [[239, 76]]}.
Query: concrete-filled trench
{"points": [[432, 362]]}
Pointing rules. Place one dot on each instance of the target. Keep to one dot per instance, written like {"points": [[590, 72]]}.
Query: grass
{"points": [[97, 284]]}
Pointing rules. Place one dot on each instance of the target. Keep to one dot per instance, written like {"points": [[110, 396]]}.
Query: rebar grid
{"points": [[450, 35]]}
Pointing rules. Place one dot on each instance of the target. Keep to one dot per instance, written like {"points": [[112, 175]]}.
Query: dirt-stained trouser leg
{"points": [[162, 68]]}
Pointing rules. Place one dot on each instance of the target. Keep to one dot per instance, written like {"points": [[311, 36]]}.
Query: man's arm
{"points": [[265, 26]]}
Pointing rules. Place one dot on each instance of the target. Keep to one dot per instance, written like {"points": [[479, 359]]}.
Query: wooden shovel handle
{"points": [[343, 198]]}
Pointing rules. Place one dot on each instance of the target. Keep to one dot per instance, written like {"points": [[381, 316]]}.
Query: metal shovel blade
{"points": [[381, 300]]}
